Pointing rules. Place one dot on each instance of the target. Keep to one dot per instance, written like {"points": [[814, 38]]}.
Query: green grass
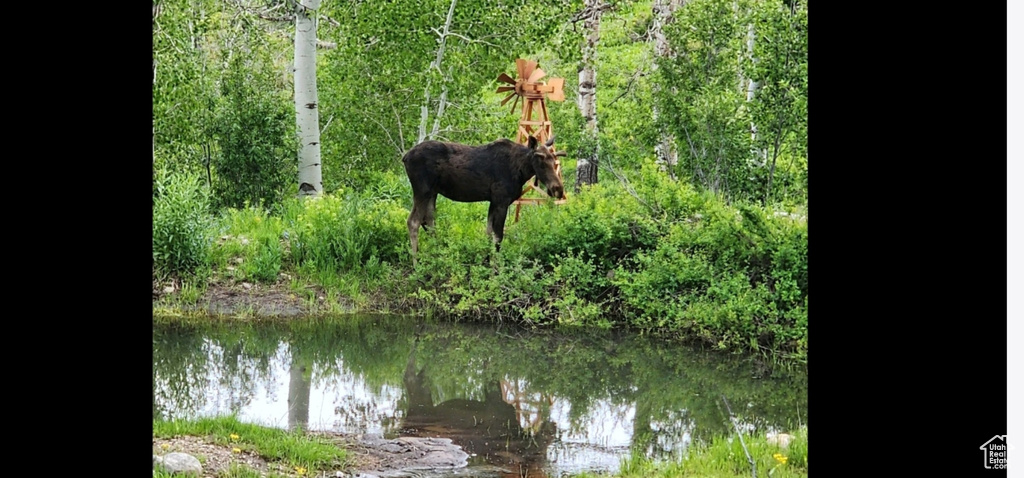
{"points": [[290, 448], [724, 458], [249, 245], [242, 471]]}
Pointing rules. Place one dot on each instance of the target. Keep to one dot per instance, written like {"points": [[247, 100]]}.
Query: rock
{"points": [[178, 463], [401, 455]]}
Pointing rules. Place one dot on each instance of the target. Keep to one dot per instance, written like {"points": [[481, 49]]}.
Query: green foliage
{"points": [[250, 245], [350, 232], [602, 224], [735, 277], [702, 101], [184, 89], [781, 102], [704, 94], [724, 457], [669, 259], [181, 236], [378, 79], [256, 133]]}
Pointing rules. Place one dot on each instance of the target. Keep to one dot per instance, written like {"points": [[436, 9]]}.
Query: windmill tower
{"points": [[534, 120]]}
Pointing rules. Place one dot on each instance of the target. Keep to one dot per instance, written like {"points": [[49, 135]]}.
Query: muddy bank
{"points": [[251, 300]]}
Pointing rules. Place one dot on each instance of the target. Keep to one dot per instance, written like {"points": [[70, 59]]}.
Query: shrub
{"points": [[336, 233], [181, 233], [255, 130]]}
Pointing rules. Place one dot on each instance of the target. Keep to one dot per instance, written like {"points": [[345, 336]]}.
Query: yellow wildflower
{"points": [[164, 446], [780, 458], [234, 437], [300, 470], [236, 450]]}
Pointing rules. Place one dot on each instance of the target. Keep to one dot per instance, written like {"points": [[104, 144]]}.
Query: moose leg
{"points": [[496, 223], [428, 215], [416, 218]]}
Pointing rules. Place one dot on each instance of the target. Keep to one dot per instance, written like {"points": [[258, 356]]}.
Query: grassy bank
{"points": [[290, 453], [726, 457], [653, 255], [295, 454]]}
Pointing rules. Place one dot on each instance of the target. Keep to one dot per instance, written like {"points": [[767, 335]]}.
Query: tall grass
{"points": [[251, 244], [725, 457], [181, 232]]}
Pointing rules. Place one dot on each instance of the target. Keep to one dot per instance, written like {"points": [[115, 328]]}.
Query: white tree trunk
{"points": [[665, 152], [761, 155], [306, 102], [586, 100], [436, 64], [299, 386]]}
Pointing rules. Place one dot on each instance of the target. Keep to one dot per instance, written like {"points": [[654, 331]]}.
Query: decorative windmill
{"points": [[529, 87]]}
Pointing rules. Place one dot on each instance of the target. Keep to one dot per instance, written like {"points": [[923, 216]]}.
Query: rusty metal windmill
{"points": [[533, 92]]}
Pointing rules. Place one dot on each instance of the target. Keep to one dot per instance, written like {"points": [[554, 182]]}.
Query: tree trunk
{"points": [[586, 166], [436, 64], [299, 385], [306, 102], [751, 84], [666, 155]]}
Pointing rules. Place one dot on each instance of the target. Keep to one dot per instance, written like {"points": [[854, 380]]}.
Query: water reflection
{"points": [[490, 429], [551, 402]]}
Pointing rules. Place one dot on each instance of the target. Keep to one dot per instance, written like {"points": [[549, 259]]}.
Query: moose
{"points": [[494, 172]]}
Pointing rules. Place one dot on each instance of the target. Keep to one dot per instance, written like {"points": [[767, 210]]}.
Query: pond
{"points": [[546, 402]]}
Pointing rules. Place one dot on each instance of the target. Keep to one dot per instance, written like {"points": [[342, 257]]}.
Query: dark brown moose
{"points": [[494, 172]]}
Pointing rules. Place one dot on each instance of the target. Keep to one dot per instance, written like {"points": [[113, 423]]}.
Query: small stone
{"points": [[169, 289], [176, 462]]}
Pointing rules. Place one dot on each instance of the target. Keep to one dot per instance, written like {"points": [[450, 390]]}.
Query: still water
{"points": [[547, 402]]}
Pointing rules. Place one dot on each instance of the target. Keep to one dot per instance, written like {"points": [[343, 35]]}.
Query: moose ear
{"points": [[532, 142]]}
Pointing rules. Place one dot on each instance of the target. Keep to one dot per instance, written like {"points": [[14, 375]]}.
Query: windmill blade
{"points": [[509, 97], [521, 67], [528, 68], [505, 88], [559, 93], [536, 75], [514, 103], [507, 79]]}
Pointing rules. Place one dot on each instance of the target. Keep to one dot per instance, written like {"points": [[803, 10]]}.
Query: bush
{"points": [[255, 130], [181, 232], [336, 234], [602, 224]]}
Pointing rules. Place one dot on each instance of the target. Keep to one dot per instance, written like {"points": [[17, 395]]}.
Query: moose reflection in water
{"points": [[490, 428]]}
